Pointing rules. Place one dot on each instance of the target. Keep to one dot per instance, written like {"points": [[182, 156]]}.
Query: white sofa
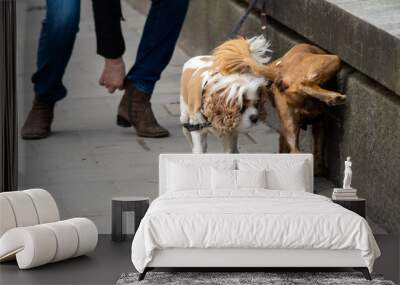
{"points": [[31, 231]]}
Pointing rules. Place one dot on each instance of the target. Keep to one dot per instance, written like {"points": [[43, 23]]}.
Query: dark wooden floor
{"points": [[110, 260], [103, 266]]}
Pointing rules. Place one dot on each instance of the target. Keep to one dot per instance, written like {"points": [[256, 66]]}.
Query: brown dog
{"points": [[295, 90]]}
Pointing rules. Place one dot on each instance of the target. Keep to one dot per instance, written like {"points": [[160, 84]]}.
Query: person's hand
{"points": [[113, 74]]}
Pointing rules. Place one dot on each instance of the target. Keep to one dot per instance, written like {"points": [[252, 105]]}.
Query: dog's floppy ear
{"points": [[265, 94], [223, 117]]}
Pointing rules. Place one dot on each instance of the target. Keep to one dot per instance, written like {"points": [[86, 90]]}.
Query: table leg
{"points": [[116, 222], [140, 211]]}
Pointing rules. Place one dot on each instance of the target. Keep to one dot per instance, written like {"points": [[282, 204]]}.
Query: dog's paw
{"points": [[337, 100]]}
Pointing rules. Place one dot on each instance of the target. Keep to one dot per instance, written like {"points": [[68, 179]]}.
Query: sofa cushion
{"points": [[27, 208], [23, 208], [45, 205], [7, 215]]}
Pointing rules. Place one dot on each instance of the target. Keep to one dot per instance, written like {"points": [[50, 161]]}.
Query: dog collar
{"points": [[196, 127]]}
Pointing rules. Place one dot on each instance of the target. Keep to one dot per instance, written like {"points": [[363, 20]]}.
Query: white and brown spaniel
{"points": [[223, 104]]}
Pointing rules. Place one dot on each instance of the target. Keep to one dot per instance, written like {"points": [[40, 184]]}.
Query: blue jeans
{"points": [[57, 37], [163, 25]]}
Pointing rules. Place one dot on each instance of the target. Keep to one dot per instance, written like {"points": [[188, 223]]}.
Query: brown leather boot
{"points": [[38, 123], [135, 110]]}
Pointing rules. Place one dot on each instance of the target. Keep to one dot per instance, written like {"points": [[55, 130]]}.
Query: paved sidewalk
{"points": [[89, 159]]}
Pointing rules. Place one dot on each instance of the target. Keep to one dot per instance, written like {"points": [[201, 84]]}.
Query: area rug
{"points": [[244, 278]]}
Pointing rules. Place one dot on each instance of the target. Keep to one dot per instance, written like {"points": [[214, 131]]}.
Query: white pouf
{"points": [[31, 233]]}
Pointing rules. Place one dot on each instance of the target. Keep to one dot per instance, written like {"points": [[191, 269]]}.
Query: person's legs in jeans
{"points": [[56, 42], [57, 37], [163, 25]]}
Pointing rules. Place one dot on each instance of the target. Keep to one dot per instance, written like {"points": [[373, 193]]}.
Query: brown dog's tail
{"points": [[244, 56]]}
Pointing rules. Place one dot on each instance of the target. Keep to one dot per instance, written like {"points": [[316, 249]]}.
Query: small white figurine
{"points": [[347, 174]]}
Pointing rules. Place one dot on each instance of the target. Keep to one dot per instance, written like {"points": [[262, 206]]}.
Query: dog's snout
{"points": [[254, 118]]}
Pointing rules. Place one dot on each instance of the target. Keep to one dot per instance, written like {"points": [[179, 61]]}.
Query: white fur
{"points": [[236, 86], [245, 122], [260, 49], [198, 62], [206, 76], [184, 109], [199, 140], [197, 118], [185, 117]]}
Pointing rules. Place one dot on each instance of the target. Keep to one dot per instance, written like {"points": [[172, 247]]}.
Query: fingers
{"points": [[113, 75], [110, 84], [122, 86], [111, 89], [102, 82]]}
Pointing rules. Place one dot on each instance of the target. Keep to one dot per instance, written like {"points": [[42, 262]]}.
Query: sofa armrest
{"points": [[45, 243]]}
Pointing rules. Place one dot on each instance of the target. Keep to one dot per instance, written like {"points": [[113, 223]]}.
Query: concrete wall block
{"points": [[371, 132], [366, 42]]}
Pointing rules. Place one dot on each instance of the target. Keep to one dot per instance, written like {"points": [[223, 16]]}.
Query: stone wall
{"points": [[367, 128], [365, 33]]}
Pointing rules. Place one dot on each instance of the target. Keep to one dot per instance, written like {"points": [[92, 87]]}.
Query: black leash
{"points": [[263, 16]]}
